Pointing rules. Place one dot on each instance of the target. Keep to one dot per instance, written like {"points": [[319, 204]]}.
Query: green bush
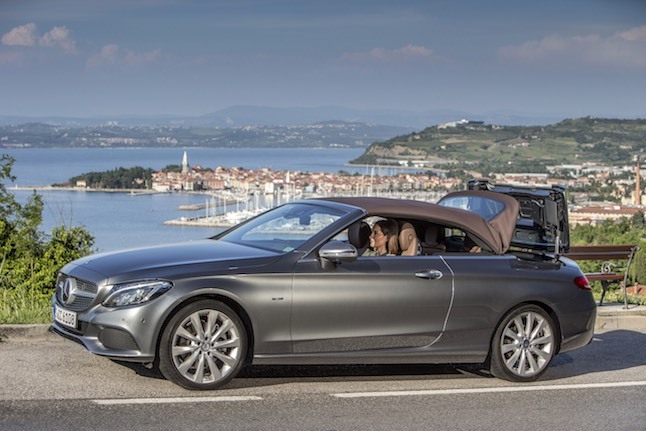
{"points": [[624, 231], [29, 259]]}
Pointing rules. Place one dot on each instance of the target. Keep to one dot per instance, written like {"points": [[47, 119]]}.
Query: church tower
{"points": [[185, 167]]}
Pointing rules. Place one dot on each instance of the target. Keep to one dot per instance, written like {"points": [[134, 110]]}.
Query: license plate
{"points": [[65, 317]]}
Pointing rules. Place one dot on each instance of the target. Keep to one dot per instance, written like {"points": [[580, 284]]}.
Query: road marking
{"points": [[135, 401], [127, 401], [489, 390]]}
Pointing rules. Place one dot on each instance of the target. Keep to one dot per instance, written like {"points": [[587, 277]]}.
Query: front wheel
{"points": [[203, 346], [524, 345]]}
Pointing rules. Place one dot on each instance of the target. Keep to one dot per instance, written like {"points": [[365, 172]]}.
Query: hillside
{"points": [[517, 148]]}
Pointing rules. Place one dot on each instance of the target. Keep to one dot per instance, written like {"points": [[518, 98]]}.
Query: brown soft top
{"points": [[496, 233]]}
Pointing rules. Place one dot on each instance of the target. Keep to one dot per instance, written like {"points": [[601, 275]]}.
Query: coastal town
{"points": [[234, 194]]}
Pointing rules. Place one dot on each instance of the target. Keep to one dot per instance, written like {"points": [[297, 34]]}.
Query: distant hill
{"points": [[467, 145], [244, 115], [240, 116], [323, 134], [516, 147]]}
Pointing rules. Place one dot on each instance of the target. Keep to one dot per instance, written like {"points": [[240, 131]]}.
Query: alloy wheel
{"points": [[205, 347], [524, 345]]}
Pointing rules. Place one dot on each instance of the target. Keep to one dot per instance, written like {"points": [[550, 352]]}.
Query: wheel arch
{"points": [[228, 301], [549, 310]]}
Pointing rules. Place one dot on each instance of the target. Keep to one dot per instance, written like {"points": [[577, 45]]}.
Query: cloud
{"points": [[624, 49], [59, 37], [406, 53], [634, 34], [24, 35], [114, 56], [27, 35]]}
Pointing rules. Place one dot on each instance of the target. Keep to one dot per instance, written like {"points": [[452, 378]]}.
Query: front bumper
{"points": [[127, 334]]}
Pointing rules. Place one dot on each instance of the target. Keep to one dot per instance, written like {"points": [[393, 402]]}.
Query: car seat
{"points": [[408, 241], [433, 240]]}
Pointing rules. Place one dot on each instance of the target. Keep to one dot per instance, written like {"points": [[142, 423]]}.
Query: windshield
{"points": [[284, 228]]}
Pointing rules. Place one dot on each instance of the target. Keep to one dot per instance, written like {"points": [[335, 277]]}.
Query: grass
{"points": [[616, 295], [18, 306]]}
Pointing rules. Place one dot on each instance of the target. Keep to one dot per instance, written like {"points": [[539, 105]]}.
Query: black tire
{"points": [[523, 345], [203, 346]]}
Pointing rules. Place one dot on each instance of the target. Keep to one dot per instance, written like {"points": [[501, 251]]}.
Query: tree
{"points": [[638, 221], [120, 178], [29, 259], [624, 231], [639, 265]]}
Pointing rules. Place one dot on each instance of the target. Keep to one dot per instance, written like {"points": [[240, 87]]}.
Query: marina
{"points": [[225, 220], [254, 191], [228, 208], [222, 213]]}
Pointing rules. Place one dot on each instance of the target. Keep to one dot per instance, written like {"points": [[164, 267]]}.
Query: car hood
{"points": [[140, 260]]}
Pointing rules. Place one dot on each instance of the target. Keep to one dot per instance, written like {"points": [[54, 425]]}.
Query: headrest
{"points": [[408, 239], [358, 234], [432, 234]]}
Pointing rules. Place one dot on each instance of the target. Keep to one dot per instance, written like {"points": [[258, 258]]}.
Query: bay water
{"points": [[123, 220]]}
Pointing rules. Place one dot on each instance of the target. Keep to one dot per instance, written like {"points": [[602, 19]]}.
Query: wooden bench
{"points": [[609, 271]]}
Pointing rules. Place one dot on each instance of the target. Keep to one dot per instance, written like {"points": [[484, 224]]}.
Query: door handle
{"points": [[432, 274]]}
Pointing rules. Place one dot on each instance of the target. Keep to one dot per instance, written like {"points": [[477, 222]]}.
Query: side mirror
{"points": [[338, 251]]}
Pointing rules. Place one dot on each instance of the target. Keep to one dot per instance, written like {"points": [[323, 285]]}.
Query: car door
{"points": [[385, 302]]}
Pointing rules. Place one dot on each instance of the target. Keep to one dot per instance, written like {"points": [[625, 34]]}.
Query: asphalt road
{"points": [[48, 383]]}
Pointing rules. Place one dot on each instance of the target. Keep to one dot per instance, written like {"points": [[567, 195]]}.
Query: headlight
{"points": [[136, 292]]}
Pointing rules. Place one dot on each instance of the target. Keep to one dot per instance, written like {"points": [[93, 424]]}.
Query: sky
{"points": [[84, 58]]}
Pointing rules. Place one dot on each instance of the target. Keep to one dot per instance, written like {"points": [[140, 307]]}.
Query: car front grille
{"points": [[86, 286], [78, 304], [75, 294]]}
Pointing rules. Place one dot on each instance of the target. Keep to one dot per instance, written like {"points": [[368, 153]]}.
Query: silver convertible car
{"points": [[295, 286]]}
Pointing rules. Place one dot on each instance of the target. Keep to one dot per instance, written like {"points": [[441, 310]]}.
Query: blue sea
{"points": [[122, 220]]}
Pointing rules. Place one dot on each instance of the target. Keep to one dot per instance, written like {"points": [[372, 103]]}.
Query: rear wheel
{"points": [[203, 346], [524, 345]]}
